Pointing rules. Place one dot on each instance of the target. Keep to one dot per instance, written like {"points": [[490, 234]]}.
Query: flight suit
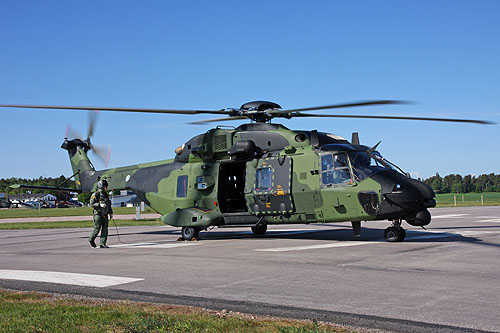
{"points": [[102, 209]]}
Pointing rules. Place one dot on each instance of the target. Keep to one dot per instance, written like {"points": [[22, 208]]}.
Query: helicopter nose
{"points": [[409, 193], [405, 198]]}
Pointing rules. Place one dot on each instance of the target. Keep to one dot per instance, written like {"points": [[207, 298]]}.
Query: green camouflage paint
{"points": [[186, 190]]}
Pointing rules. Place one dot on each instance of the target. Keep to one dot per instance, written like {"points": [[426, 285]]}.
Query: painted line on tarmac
{"points": [[459, 233], [449, 216], [317, 246], [413, 235], [77, 279], [490, 220], [156, 245]]}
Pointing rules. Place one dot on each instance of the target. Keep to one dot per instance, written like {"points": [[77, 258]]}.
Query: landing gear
{"points": [[395, 233], [259, 229], [188, 233]]}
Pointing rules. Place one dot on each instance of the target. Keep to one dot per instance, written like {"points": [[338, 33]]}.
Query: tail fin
{"points": [[82, 167]]}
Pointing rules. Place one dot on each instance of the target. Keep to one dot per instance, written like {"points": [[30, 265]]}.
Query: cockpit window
{"points": [[335, 170], [264, 179], [366, 164]]}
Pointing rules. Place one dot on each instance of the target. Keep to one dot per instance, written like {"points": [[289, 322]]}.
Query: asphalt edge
{"points": [[251, 308]]}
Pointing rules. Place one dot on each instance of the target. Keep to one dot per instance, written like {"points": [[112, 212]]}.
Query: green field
{"points": [[40, 312], [468, 199], [48, 212]]}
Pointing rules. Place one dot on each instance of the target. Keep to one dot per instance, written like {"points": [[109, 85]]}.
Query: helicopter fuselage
{"points": [[260, 174]]}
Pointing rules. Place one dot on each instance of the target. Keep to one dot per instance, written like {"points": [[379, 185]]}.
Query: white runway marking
{"points": [[77, 279], [313, 247], [491, 220], [157, 245], [449, 216], [461, 233], [412, 235]]}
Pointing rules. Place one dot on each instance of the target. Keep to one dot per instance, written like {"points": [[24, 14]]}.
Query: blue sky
{"points": [[443, 55]]}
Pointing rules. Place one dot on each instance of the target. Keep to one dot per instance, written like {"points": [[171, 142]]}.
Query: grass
{"points": [[41, 312], [468, 199], [76, 224], [49, 212]]}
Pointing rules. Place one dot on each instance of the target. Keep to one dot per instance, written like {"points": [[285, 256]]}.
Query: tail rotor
{"points": [[102, 152]]}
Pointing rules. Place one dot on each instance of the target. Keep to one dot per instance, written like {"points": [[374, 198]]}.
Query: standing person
{"points": [[102, 208]]}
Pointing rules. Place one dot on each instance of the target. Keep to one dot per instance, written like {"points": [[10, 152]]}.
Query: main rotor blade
{"points": [[97, 108], [199, 122], [482, 122], [348, 105], [92, 121]]}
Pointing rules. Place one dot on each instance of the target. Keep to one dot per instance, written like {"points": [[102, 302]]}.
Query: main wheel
{"points": [[403, 234], [259, 229], [189, 233], [393, 234]]}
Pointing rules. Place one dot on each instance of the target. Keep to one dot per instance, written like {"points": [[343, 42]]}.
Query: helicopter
{"points": [[262, 173]]}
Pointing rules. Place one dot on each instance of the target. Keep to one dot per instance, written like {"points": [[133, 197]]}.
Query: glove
{"points": [[110, 216], [102, 205]]}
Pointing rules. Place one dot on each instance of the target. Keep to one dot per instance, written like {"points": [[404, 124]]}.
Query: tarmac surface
{"points": [[444, 279]]}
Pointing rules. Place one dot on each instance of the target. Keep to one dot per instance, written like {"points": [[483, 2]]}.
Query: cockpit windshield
{"points": [[367, 163]]}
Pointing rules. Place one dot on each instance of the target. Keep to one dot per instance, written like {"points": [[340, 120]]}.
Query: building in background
{"points": [[125, 199], [32, 200]]}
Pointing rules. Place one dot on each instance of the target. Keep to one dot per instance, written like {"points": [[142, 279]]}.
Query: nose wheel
{"points": [[188, 233], [395, 233]]}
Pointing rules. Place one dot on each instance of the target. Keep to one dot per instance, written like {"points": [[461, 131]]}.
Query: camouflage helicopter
{"points": [[262, 173]]}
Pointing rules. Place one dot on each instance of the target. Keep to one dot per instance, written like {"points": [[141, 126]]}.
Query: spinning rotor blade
{"points": [[348, 105], [483, 122], [199, 122], [102, 152], [92, 121], [72, 134], [95, 108]]}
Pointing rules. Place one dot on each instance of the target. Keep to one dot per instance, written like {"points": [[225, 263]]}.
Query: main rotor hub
{"points": [[259, 106], [258, 110]]}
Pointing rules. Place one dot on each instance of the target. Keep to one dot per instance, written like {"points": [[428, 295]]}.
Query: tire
{"points": [[403, 234], [259, 229], [189, 233], [393, 234]]}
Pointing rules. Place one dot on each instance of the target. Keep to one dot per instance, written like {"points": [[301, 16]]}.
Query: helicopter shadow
{"points": [[337, 233], [368, 235]]}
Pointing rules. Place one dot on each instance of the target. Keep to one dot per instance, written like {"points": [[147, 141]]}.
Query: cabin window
{"points": [[264, 179], [335, 170], [182, 186]]}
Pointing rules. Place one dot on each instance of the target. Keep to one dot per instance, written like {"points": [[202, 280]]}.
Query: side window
{"points": [[264, 179], [335, 170], [182, 186]]}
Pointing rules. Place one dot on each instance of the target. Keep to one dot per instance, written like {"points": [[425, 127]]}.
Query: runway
{"points": [[446, 278]]}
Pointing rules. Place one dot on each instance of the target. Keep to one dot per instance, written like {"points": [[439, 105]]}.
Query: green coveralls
{"points": [[100, 214]]}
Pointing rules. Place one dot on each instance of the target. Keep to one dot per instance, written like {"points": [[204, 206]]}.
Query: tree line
{"points": [[457, 184]]}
